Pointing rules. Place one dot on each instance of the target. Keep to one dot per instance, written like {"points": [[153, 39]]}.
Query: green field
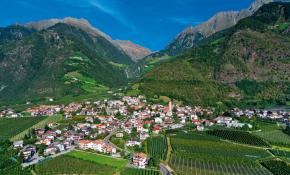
{"points": [[40, 124], [99, 159], [157, 147], [202, 154], [10, 127], [239, 137], [70, 165], [135, 171], [273, 133]]}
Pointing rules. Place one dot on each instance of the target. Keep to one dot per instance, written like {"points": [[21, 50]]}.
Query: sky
{"points": [[150, 23]]}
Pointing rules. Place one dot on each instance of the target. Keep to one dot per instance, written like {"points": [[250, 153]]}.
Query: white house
{"points": [[140, 160]]}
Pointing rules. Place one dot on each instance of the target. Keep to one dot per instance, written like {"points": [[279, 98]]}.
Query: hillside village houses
{"points": [[140, 160], [97, 145], [129, 116]]}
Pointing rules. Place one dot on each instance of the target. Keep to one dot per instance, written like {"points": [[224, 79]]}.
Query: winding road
{"points": [[164, 170]]}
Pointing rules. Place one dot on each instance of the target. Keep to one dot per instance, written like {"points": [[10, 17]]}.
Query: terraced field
{"points": [[202, 154]]}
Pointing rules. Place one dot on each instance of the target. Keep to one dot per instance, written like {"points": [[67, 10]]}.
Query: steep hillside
{"points": [[136, 52], [60, 60], [124, 51], [250, 61], [192, 36]]}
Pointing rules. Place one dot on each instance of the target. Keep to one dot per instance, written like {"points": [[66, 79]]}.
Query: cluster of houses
{"points": [[124, 116], [44, 110], [97, 145], [9, 113]]}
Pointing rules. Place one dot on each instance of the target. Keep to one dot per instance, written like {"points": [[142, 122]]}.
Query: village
{"points": [[118, 128]]}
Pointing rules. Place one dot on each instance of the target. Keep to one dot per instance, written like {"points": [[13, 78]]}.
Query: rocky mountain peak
{"points": [[221, 21], [80, 23], [135, 51]]}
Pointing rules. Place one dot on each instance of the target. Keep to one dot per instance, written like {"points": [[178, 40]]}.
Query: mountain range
{"points": [[232, 57], [249, 61], [193, 35], [61, 57]]}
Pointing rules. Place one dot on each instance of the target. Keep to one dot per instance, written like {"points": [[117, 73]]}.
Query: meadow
{"points": [[10, 127], [99, 159], [201, 154]]}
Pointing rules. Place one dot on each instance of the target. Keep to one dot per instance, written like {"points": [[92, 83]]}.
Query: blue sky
{"points": [[151, 23]]}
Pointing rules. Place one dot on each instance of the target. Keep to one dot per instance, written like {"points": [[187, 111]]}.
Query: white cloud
{"points": [[109, 7]]}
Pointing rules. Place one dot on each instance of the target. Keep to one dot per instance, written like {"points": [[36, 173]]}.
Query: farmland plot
{"points": [[240, 137], [9, 127], [157, 147], [198, 155], [135, 171], [69, 165]]}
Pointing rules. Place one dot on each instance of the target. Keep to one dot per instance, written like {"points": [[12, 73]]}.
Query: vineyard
{"points": [[280, 153], [157, 147], [276, 137], [9, 127], [134, 171], [239, 137], [69, 165], [277, 167], [200, 154], [37, 125]]}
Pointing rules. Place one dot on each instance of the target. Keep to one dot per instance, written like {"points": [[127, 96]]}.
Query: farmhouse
{"points": [[140, 160], [18, 144], [97, 145]]}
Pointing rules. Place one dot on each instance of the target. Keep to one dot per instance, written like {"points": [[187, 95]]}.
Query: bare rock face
{"points": [[80, 23], [221, 21], [135, 51]]}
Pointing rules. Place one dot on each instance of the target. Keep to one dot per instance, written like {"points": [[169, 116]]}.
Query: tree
{"points": [[175, 118], [134, 132], [119, 116], [97, 120], [287, 130]]}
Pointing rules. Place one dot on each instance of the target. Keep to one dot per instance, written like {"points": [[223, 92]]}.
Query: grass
{"points": [[41, 124], [276, 137], [273, 133], [10, 127], [100, 159], [86, 83], [118, 65]]}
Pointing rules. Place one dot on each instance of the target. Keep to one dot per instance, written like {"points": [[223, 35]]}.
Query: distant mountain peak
{"points": [[134, 51], [81, 23], [192, 35]]}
